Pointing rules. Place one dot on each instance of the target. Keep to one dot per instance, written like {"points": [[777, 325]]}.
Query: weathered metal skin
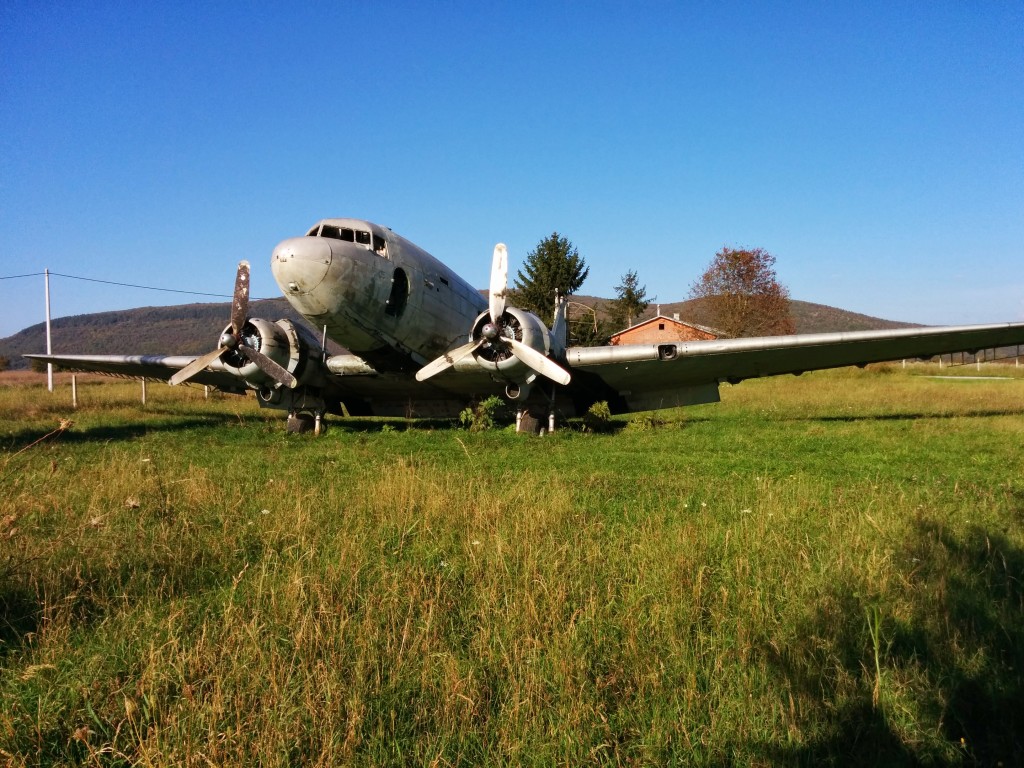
{"points": [[396, 306]]}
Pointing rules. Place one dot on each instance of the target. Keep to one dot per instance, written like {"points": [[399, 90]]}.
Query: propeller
{"points": [[491, 333], [232, 340]]}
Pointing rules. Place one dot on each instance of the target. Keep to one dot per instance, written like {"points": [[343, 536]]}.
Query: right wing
{"points": [[649, 376]]}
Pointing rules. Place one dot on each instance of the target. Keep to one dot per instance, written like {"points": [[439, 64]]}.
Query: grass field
{"points": [[818, 570]]}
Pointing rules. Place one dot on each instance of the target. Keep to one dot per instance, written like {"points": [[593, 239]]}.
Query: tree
{"points": [[630, 302], [5, 363], [742, 296], [554, 265]]}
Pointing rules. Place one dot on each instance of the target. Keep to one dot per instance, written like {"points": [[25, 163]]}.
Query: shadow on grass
{"points": [[364, 424], [931, 416], [958, 660], [106, 432], [19, 616]]}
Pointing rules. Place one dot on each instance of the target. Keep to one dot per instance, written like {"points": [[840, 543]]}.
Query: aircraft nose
{"points": [[299, 264]]}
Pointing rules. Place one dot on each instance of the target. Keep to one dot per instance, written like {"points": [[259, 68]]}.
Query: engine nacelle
{"points": [[292, 347], [498, 359]]}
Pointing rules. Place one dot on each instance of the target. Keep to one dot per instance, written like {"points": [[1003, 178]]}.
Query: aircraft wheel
{"points": [[300, 423]]}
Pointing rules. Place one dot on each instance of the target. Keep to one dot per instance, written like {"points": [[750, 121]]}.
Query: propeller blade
{"points": [[447, 360], [499, 282], [541, 364], [197, 365], [240, 299], [268, 366]]}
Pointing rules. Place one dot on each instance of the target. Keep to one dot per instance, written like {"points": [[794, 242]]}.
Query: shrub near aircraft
{"points": [[423, 342]]}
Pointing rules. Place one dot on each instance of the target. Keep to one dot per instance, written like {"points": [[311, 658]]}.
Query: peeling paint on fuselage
{"points": [[351, 296]]}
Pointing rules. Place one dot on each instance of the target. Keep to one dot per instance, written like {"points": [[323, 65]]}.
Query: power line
{"points": [[145, 287], [123, 285]]}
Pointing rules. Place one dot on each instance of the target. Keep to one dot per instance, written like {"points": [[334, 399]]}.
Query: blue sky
{"points": [[876, 149]]}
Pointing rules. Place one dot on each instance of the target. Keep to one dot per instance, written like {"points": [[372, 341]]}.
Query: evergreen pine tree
{"points": [[630, 302], [554, 265]]}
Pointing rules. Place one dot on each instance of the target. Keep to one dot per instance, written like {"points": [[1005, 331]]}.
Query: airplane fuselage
{"points": [[378, 295]]}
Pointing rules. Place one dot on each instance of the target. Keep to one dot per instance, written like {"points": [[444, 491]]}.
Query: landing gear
{"points": [[303, 422], [526, 422], [530, 422]]}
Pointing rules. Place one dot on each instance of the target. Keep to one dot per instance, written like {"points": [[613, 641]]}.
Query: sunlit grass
{"points": [[824, 568]]}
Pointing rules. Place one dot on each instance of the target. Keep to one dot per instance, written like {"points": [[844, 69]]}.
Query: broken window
{"points": [[313, 231], [380, 246], [363, 238], [399, 297]]}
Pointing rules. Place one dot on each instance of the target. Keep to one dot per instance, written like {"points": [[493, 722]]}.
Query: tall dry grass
{"points": [[786, 578]]}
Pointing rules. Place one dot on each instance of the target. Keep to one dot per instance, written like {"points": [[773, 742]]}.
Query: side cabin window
{"points": [[399, 296], [380, 246], [363, 238]]}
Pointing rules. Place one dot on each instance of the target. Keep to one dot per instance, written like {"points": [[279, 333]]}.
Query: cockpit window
{"points": [[336, 233], [363, 238]]}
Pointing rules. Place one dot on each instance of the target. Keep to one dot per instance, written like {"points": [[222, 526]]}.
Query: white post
{"points": [[143, 391], [49, 348], [74, 391]]}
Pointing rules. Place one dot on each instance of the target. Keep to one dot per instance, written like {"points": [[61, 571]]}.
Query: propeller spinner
{"points": [[492, 333], [232, 339]]}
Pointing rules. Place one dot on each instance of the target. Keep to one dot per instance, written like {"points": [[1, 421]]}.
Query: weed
{"points": [[598, 418], [481, 416]]}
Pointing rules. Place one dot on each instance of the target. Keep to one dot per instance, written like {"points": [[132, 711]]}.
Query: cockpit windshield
{"points": [[348, 235]]}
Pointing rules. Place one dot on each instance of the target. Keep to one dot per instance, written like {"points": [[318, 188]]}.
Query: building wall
{"points": [[651, 333]]}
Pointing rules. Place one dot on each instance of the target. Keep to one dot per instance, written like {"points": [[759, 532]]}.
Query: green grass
{"points": [[824, 569]]}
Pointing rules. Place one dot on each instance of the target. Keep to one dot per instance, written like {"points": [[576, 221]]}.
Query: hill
{"points": [[809, 317], [192, 329]]}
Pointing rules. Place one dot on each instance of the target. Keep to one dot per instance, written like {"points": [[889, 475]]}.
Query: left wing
{"points": [[146, 367], [650, 376]]}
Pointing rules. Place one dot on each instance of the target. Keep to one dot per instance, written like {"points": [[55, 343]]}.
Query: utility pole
{"points": [[49, 349]]}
